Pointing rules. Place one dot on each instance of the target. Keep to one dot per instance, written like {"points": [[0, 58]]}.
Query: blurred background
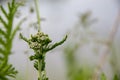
{"points": [[86, 22]]}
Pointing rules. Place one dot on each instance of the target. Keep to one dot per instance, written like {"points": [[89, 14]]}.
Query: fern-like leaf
{"points": [[7, 33], [2, 51], [17, 28], [3, 22], [4, 12], [2, 42], [6, 70], [2, 32]]}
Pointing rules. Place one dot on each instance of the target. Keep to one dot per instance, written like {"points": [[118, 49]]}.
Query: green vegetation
{"points": [[7, 34], [41, 44]]}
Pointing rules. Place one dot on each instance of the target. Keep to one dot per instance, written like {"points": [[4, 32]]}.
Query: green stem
{"points": [[37, 13], [39, 69]]}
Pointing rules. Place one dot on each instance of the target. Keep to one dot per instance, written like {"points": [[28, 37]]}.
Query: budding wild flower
{"points": [[40, 43]]}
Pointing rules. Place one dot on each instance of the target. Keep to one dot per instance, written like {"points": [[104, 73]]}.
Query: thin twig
{"points": [[107, 49]]}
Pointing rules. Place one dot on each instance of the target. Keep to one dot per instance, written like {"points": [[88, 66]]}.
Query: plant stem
{"points": [[37, 13], [39, 23], [39, 69], [108, 44]]}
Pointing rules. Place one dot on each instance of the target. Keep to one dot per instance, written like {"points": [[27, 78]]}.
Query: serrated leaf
{"points": [[2, 32], [3, 64], [3, 22], [6, 69], [36, 65], [4, 12], [56, 44], [2, 42], [2, 51], [17, 28], [9, 6]]}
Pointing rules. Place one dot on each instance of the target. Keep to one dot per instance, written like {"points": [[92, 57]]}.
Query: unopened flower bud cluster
{"points": [[39, 41]]}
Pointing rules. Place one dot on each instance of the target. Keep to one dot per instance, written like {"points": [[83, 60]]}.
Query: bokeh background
{"points": [[60, 17]]}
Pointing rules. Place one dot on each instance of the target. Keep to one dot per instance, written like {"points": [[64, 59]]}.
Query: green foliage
{"points": [[40, 43], [103, 77], [86, 20], [116, 77], [83, 73], [115, 62], [80, 35], [7, 34], [74, 71], [6, 70]]}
